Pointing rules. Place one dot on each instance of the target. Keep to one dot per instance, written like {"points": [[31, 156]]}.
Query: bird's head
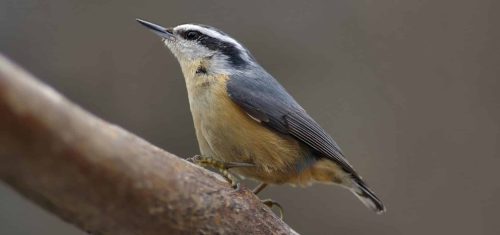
{"points": [[194, 42]]}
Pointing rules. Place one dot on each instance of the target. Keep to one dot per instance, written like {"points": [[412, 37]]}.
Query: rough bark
{"points": [[104, 179]]}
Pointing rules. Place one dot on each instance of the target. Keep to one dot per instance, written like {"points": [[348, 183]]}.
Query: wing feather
{"points": [[264, 99]]}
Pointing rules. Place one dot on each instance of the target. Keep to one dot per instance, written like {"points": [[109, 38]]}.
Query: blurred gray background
{"points": [[409, 89]]}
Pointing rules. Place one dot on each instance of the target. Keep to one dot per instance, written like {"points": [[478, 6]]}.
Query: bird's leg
{"points": [[259, 188], [220, 166], [203, 160]]}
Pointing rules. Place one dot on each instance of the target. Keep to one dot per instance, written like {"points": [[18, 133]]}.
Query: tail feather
{"points": [[367, 197]]}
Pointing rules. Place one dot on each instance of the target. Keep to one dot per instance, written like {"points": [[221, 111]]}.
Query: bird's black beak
{"points": [[160, 31]]}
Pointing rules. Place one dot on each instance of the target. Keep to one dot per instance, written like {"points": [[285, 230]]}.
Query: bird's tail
{"points": [[367, 197]]}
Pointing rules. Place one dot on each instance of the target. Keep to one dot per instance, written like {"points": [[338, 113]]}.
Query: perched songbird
{"points": [[245, 120]]}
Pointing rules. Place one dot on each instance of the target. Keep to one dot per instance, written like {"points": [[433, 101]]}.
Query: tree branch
{"points": [[107, 181]]}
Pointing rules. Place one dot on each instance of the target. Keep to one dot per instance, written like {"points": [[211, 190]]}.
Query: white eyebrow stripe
{"points": [[211, 33]]}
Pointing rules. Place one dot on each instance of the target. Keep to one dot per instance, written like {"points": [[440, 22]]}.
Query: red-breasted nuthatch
{"points": [[245, 120]]}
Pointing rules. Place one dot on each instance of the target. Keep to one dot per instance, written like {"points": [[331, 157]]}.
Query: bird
{"points": [[246, 121]]}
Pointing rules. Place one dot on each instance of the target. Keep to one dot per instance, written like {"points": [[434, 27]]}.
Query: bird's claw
{"points": [[194, 159], [270, 203], [236, 186]]}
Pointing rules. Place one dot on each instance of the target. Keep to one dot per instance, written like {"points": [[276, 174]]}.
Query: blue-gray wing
{"points": [[264, 99]]}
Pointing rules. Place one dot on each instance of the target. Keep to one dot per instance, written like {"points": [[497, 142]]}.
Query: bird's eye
{"points": [[191, 35]]}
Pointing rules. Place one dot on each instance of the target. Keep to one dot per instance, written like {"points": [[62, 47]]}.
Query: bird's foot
{"points": [[221, 167], [230, 178], [272, 203], [268, 202]]}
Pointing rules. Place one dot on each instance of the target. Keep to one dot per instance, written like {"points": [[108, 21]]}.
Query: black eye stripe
{"points": [[227, 48]]}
